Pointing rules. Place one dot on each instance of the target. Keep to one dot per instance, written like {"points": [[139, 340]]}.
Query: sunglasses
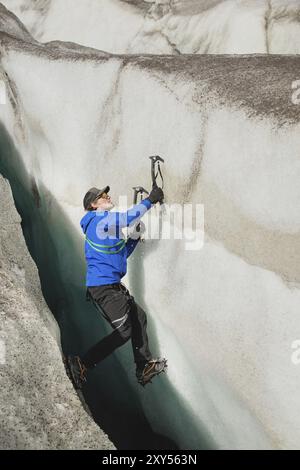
{"points": [[103, 196]]}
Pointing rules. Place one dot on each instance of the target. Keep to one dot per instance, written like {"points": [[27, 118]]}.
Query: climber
{"points": [[106, 253]]}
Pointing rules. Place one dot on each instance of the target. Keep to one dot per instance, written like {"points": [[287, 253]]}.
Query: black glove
{"points": [[156, 195]]}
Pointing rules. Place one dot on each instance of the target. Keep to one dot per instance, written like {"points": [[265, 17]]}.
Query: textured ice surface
{"points": [[167, 26]]}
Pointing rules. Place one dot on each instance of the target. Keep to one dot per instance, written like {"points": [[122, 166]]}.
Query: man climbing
{"points": [[106, 253]]}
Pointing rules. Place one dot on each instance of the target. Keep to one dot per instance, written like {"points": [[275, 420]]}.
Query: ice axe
{"points": [[155, 161], [138, 190]]}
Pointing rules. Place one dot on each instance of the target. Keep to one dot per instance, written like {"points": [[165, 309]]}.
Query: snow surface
{"points": [[224, 316]]}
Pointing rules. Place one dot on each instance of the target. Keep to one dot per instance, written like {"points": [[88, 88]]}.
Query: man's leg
{"points": [[147, 367], [129, 321], [139, 337], [115, 308]]}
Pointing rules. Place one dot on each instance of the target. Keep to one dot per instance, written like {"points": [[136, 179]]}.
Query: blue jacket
{"points": [[106, 250]]}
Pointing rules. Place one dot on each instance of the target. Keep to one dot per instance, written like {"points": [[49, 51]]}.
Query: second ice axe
{"points": [[138, 190]]}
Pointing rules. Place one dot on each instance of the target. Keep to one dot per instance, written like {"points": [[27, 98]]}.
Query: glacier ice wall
{"points": [[225, 316], [167, 26], [39, 408]]}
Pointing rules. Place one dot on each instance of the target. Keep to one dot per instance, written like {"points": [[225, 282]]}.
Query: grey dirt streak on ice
{"points": [[260, 85]]}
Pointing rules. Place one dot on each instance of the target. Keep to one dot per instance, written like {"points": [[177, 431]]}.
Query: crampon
{"points": [[152, 368]]}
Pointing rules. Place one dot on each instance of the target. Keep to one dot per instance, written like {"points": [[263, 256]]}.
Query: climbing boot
{"points": [[77, 371], [152, 368]]}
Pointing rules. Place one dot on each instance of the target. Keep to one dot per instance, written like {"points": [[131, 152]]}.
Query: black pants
{"points": [[127, 319]]}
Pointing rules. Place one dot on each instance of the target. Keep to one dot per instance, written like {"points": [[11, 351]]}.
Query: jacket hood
{"points": [[86, 219]]}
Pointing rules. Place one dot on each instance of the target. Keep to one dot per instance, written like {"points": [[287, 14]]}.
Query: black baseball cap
{"points": [[92, 194]]}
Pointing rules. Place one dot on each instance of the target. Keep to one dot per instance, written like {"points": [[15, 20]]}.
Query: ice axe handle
{"points": [[156, 159], [138, 190]]}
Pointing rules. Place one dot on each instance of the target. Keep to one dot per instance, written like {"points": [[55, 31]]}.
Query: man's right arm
{"points": [[119, 220], [115, 221], [126, 219]]}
